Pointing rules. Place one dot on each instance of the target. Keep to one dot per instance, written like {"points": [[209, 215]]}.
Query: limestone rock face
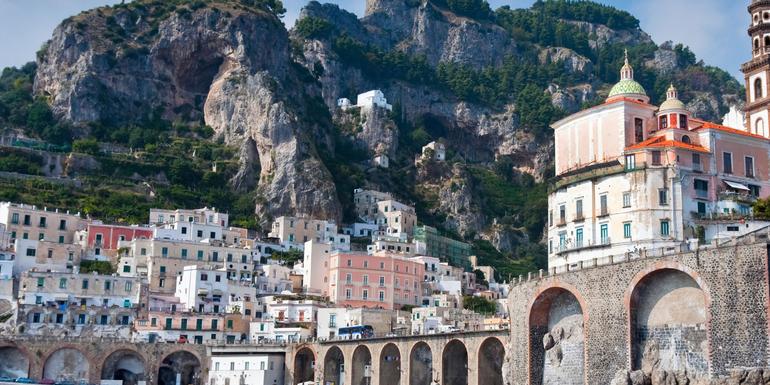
{"points": [[572, 61], [229, 67]]}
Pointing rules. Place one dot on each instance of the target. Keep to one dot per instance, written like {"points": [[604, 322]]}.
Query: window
{"points": [[366, 280], [562, 214], [630, 162], [31, 252], [200, 255], [15, 219], [759, 127], [749, 165], [348, 278], [40, 282], [603, 205], [61, 239], [664, 228], [683, 124], [229, 324], [365, 295], [128, 286], [382, 281], [200, 233], [727, 162], [754, 190], [107, 285], [733, 228], [62, 283], [626, 199], [84, 286], [562, 241], [164, 252], [184, 253], [126, 269], [579, 209], [204, 277], [656, 158], [214, 324], [349, 263], [348, 294], [627, 230], [758, 88], [382, 296], [42, 222], [701, 188], [662, 122], [638, 130], [579, 237], [143, 251], [696, 162], [232, 365], [215, 256], [663, 196]]}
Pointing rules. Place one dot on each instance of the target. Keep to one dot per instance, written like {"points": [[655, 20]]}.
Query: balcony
{"points": [[603, 212], [561, 222], [703, 194], [579, 218], [697, 167], [571, 245], [734, 196]]}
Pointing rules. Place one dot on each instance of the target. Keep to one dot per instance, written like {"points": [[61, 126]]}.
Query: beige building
{"points": [[209, 216], [162, 260], [30, 222], [295, 231], [45, 255], [366, 202]]}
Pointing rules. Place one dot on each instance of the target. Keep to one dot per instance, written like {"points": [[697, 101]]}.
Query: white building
{"points": [[209, 216], [290, 309], [293, 232], [360, 230], [330, 320], [233, 365], [370, 99], [272, 331], [316, 268], [273, 279], [381, 161], [201, 289], [434, 150]]}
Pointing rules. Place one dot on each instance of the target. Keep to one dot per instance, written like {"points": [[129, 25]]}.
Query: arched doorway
{"points": [[67, 364], [491, 355], [420, 364], [334, 367], [668, 316], [304, 364], [124, 365], [362, 362], [180, 367], [556, 339], [13, 362], [390, 365], [454, 364]]}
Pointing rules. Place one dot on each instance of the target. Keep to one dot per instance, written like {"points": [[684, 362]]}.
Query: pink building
{"points": [[384, 281], [106, 237]]}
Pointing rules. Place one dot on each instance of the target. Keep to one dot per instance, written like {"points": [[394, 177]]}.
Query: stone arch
{"points": [[454, 364], [557, 338], [490, 362], [126, 365], [668, 311], [334, 366], [181, 362], [67, 363], [420, 364], [14, 361], [361, 365], [304, 365], [390, 365]]}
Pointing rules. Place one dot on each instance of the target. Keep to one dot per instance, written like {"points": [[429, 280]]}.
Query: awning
{"points": [[217, 292], [736, 185], [203, 292]]}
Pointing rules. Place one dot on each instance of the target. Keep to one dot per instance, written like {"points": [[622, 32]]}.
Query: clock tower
{"points": [[757, 70]]}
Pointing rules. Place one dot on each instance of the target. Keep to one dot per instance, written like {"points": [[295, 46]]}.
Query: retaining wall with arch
{"points": [[705, 311], [411, 360]]}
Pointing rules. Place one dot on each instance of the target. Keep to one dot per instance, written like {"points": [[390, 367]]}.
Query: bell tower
{"points": [[757, 70]]}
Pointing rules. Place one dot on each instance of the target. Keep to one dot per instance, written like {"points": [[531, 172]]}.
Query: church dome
{"points": [[672, 101], [627, 86]]}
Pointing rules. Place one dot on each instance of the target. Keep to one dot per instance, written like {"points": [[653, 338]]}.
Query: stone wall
{"points": [[734, 284]]}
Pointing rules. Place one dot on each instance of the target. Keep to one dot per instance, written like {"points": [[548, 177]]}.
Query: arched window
{"points": [[767, 41], [756, 44], [759, 127], [685, 139], [758, 89]]}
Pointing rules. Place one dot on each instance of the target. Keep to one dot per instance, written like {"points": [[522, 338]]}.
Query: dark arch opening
{"points": [[67, 364], [362, 361], [184, 364], [390, 365], [668, 316], [556, 339], [767, 41], [304, 364], [686, 139], [758, 89], [491, 355], [125, 365], [13, 362], [334, 366], [420, 364], [454, 364]]}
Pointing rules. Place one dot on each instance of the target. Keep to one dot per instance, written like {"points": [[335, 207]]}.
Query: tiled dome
{"points": [[627, 86]]}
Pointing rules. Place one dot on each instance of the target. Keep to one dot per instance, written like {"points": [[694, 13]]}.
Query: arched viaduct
{"points": [[471, 358], [91, 360], [703, 313]]}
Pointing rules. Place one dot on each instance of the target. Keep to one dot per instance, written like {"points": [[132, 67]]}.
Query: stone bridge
{"points": [[698, 315], [95, 359], [470, 358]]}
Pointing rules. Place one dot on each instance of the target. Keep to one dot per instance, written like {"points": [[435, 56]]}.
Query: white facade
{"points": [[330, 320], [381, 161], [436, 150], [271, 331], [293, 232], [290, 310], [371, 99], [316, 267], [41, 288], [361, 230], [246, 368], [200, 289], [209, 216], [273, 279]]}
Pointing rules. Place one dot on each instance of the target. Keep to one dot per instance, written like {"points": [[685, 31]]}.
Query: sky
{"points": [[715, 30]]}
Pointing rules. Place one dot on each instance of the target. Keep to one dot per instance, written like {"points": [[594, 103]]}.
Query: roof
{"points": [[627, 86], [672, 104], [660, 142], [729, 130]]}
